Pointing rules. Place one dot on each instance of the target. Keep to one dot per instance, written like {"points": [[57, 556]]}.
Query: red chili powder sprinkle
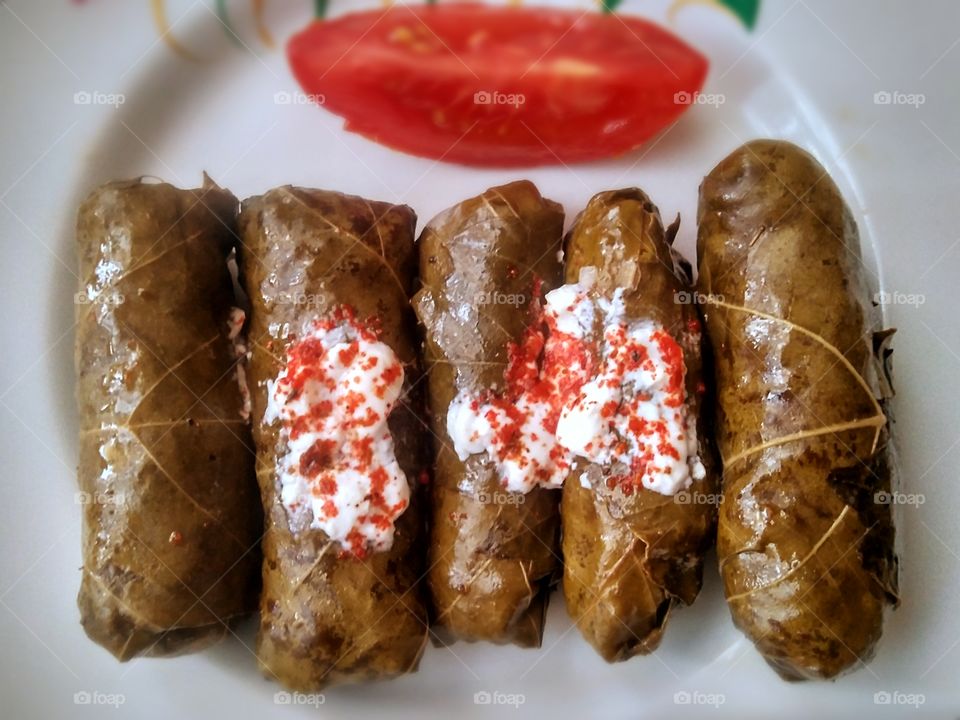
{"points": [[318, 457], [307, 362]]}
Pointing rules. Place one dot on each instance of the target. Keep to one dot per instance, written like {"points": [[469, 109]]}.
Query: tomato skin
{"points": [[560, 86]]}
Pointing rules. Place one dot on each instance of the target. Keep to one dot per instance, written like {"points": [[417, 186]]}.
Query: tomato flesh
{"points": [[498, 86]]}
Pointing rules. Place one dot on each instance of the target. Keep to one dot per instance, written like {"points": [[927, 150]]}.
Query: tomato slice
{"points": [[498, 86]]}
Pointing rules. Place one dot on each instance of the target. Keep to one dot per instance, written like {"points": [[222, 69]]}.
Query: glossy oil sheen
{"points": [[493, 554], [328, 617], [630, 560], [805, 547], [170, 516]]}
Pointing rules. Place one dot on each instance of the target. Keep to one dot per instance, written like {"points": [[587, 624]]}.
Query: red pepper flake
{"points": [[324, 485], [356, 545], [391, 374], [316, 414], [667, 448], [639, 467], [317, 458], [363, 451], [380, 521], [375, 325], [176, 538], [352, 401], [378, 483], [673, 358]]}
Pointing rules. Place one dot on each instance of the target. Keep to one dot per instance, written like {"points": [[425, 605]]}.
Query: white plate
{"points": [[809, 73]]}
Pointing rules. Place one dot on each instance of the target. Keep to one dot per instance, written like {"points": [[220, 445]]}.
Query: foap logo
{"points": [[695, 297], [899, 298], [899, 498], [493, 97], [698, 98], [686, 497], [282, 697], [96, 97], [298, 98], [94, 697], [87, 498], [308, 300], [695, 697], [897, 697], [105, 298], [501, 498], [486, 697], [500, 298], [895, 97]]}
